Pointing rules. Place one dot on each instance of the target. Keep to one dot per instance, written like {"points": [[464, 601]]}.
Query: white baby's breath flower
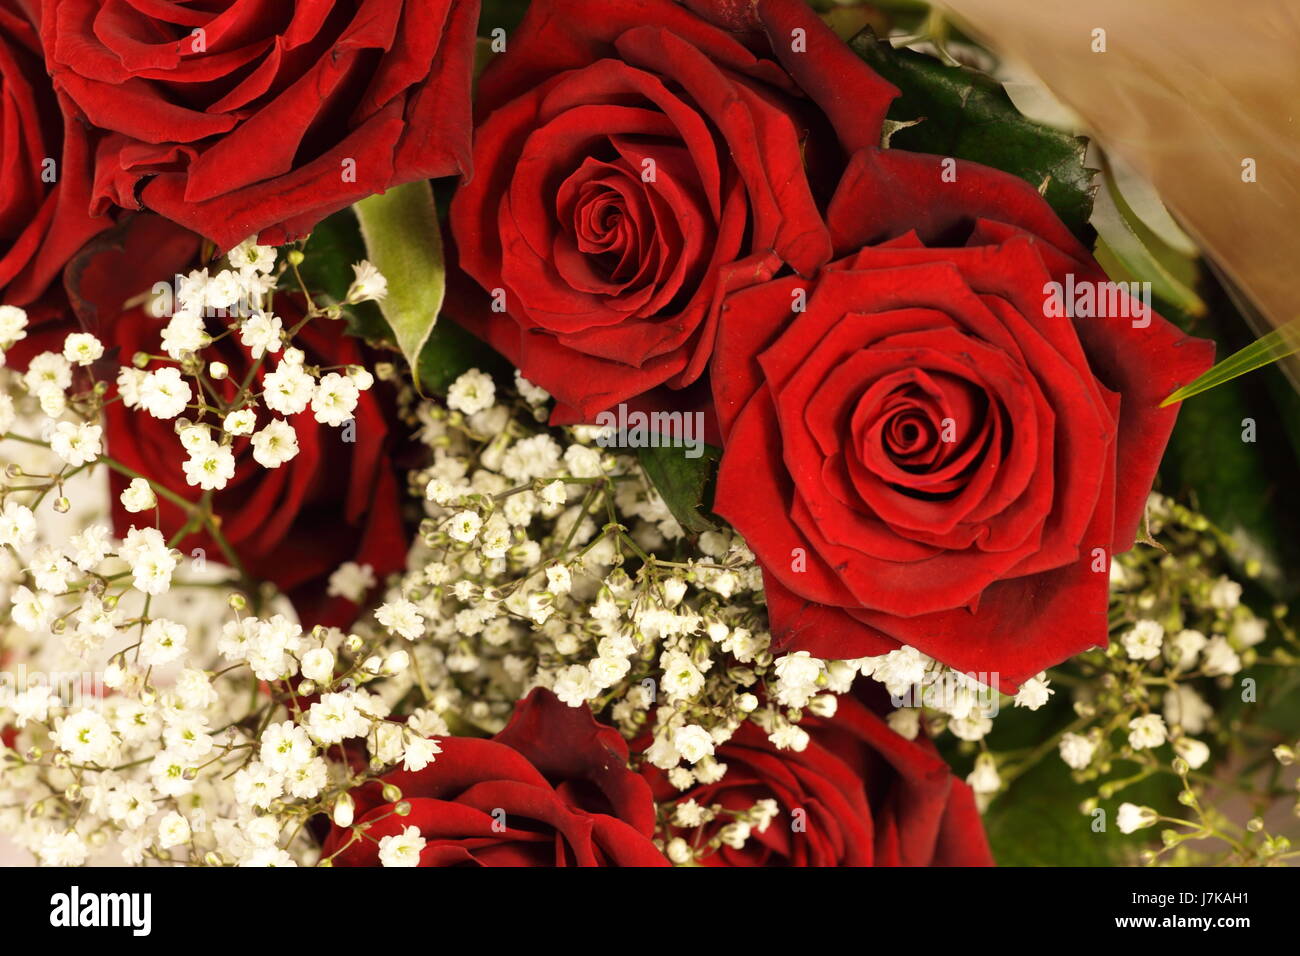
{"points": [[335, 399], [129, 380], [13, 325], [1219, 658], [984, 778], [472, 392], [573, 685], [223, 290], [352, 581], [532, 394], [138, 496], [905, 721], [285, 746], [1187, 644], [693, 742], [1034, 693], [1076, 750], [1131, 817], [368, 285], [173, 830], [261, 333], [184, 333], [1225, 594], [88, 547], [240, 422], [48, 368], [1248, 630], [418, 753], [257, 785], [289, 389], [34, 703], [52, 400], [194, 437], [1185, 708], [275, 444], [789, 736], [86, 737], [464, 526], [248, 255], [402, 618], [62, 849], [1143, 641], [318, 664], [163, 393], [402, 849], [30, 609], [17, 524], [1146, 732], [151, 561], [162, 642], [82, 348], [210, 466], [1193, 751], [168, 773], [554, 494]]}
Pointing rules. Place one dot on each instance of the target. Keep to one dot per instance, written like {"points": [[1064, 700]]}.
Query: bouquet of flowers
{"points": [[637, 433]]}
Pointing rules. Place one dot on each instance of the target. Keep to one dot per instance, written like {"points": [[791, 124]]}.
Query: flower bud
{"points": [[344, 807]]}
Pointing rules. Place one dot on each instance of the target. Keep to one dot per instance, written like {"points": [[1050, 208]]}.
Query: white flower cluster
{"points": [[1189, 629], [546, 560], [153, 718], [150, 725], [1184, 648], [240, 297]]}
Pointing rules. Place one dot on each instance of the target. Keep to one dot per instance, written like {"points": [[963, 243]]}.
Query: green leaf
{"points": [[969, 116], [1273, 347], [404, 242], [1037, 821], [451, 352], [1126, 239], [685, 484], [1135, 192]]}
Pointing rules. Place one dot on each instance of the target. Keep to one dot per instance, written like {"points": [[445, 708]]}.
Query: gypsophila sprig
{"points": [[1190, 669]]}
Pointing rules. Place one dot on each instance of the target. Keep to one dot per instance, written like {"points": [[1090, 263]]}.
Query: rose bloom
{"points": [[336, 501], [552, 789], [632, 163], [45, 190], [858, 795], [931, 453], [243, 117]]}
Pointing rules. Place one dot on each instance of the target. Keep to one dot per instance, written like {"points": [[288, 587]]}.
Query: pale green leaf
{"points": [[1142, 254], [400, 228]]}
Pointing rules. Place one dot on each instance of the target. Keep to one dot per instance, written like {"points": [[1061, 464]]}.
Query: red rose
{"points": [[45, 190], [336, 501], [633, 162], [263, 117], [858, 795], [927, 455], [552, 789]]}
